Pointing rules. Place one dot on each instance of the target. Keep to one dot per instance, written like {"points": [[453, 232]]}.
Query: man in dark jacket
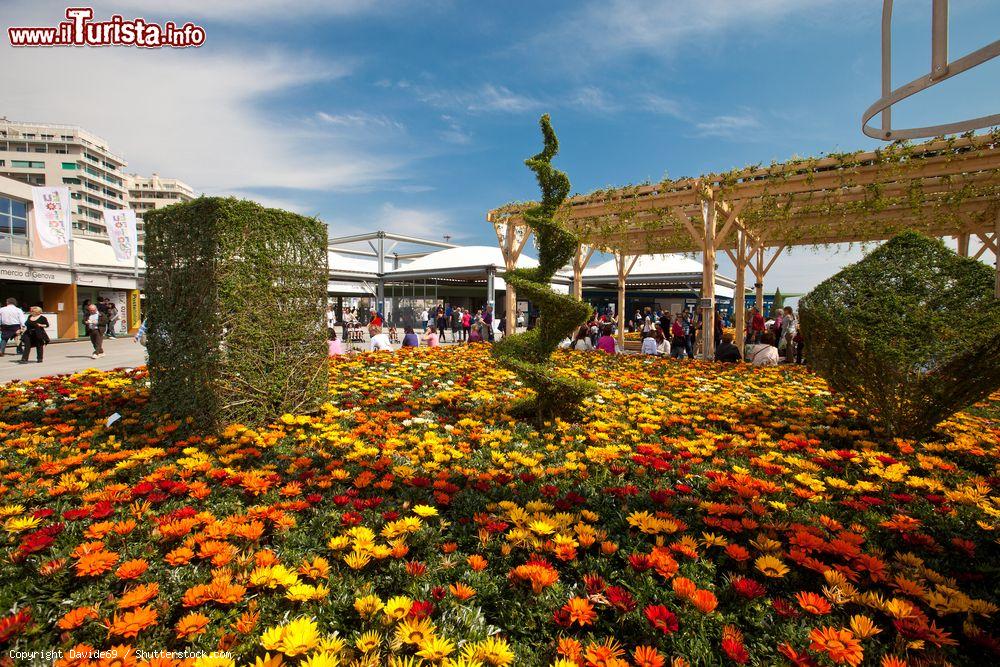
{"points": [[728, 352]]}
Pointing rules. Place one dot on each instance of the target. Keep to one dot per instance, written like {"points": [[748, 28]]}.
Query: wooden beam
{"points": [[996, 252], [988, 243], [731, 217], [739, 293], [771, 263], [709, 214]]}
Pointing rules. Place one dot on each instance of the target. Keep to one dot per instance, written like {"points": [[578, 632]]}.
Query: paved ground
{"points": [[71, 358]]}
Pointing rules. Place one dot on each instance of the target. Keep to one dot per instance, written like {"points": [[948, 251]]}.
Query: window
{"points": [[27, 165], [29, 136], [47, 136], [63, 151], [71, 181], [41, 149], [69, 165], [67, 137], [13, 227]]}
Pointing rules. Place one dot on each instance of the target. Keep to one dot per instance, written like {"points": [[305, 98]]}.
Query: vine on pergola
{"points": [[850, 196]]}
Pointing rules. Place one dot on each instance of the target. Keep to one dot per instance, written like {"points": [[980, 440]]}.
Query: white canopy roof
{"points": [[676, 269], [458, 262], [339, 263]]}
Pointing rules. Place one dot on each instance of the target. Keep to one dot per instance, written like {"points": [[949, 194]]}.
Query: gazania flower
{"points": [[771, 566], [476, 562], [748, 588], [397, 607], [462, 591], [705, 601], [892, 661], [414, 631], [863, 627], [436, 649], [74, 618], [191, 624], [661, 618], [813, 603], [132, 569], [647, 656], [138, 595], [369, 641], [732, 645], [580, 611], [838, 644], [96, 563], [131, 623], [684, 587], [492, 651]]}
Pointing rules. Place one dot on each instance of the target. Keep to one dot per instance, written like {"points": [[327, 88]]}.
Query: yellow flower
{"points": [[414, 631], [398, 607], [771, 566], [338, 543], [357, 560], [214, 660], [369, 641], [321, 660], [368, 605], [299, 636], [425, 510], [493, 651], [21, 523], [863, 627], [541, 527], [436, 649]]}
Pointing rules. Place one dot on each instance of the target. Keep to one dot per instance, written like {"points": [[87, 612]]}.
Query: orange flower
{"points": [[580, 611], [139, 595], [814, 604], [132, 569], [192, 624], [570, 649], [839, 645], [476, 562], [131, 623], [179, 556], [461, 591], [705, 601], [647, 656], [96, 563], [737, 553], [539, 573], [892, 661], [684, 587], [74, 618]]}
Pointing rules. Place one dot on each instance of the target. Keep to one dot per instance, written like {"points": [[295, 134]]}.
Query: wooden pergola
{"points": [[945, 187]]}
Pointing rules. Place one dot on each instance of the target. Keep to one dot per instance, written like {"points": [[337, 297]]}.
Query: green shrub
{"points": [[909, 335], [236, 295], [527, 354]]}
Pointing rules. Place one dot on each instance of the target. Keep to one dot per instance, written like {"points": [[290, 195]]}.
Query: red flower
{"points": [[12, 625], [661, 618], [748, 588], [421, 609], [732, 645], [620, 599]]}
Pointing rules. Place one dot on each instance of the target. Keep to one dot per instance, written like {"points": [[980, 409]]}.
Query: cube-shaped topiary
{"points": [[909, 335], [235, 296]]}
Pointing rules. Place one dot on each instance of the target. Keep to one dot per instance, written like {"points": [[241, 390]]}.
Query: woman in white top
{"points": [[765, 354], [582, 341]]}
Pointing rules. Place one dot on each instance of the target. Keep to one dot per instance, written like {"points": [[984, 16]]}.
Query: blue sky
{"points": [[416, 116]]}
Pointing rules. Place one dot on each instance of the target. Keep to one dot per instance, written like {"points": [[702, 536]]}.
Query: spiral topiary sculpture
{"points": [[528, 354]]}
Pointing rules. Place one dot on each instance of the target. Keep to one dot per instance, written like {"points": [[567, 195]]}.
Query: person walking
{"points": [[757, 326], [112, 315], [94, 323], [34, 335], [466, 325], [11, 323], [678, 342], [423, 319], [442, 324], [456, 324], [488, 322], [789, 327]]}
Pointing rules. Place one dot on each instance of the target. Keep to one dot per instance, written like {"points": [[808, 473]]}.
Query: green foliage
{"points": [[236, 295], [909, 335], [528, 354]]}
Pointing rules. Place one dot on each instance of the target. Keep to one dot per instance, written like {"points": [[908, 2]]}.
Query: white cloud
{"points": [[592, 98], [359, 119], [194, 114], [742, 125], [662, 105], [486, 98], [454, 134], [604, 29]]}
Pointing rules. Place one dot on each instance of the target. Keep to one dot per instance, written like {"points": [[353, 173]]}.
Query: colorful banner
{"points": [[121, 231], [53, 216]]}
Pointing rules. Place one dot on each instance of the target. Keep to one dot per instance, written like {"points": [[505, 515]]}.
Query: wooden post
{"points": [[708, 212], [583, 255], [963, 245], [739, 298], [759, 283], [509, 295], [996, 252], [620, 308]]}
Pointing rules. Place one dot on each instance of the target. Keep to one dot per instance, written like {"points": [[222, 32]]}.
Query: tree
{"points": [[529, 354]]}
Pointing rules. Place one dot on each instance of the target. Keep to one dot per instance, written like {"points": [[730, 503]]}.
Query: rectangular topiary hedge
{"points": [[236, 301]]}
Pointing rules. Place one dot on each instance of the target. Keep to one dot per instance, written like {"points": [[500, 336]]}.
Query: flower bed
{"points": [[702, 514]]}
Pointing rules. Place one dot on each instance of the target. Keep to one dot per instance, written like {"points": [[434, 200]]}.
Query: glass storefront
{"points": [[13, 227]]}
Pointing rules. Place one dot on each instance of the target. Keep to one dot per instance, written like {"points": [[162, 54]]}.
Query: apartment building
{"points": [[54, 155], [153, 192]]}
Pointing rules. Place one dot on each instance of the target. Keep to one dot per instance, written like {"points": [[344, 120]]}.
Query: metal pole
{"points": [[491, 273]]}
